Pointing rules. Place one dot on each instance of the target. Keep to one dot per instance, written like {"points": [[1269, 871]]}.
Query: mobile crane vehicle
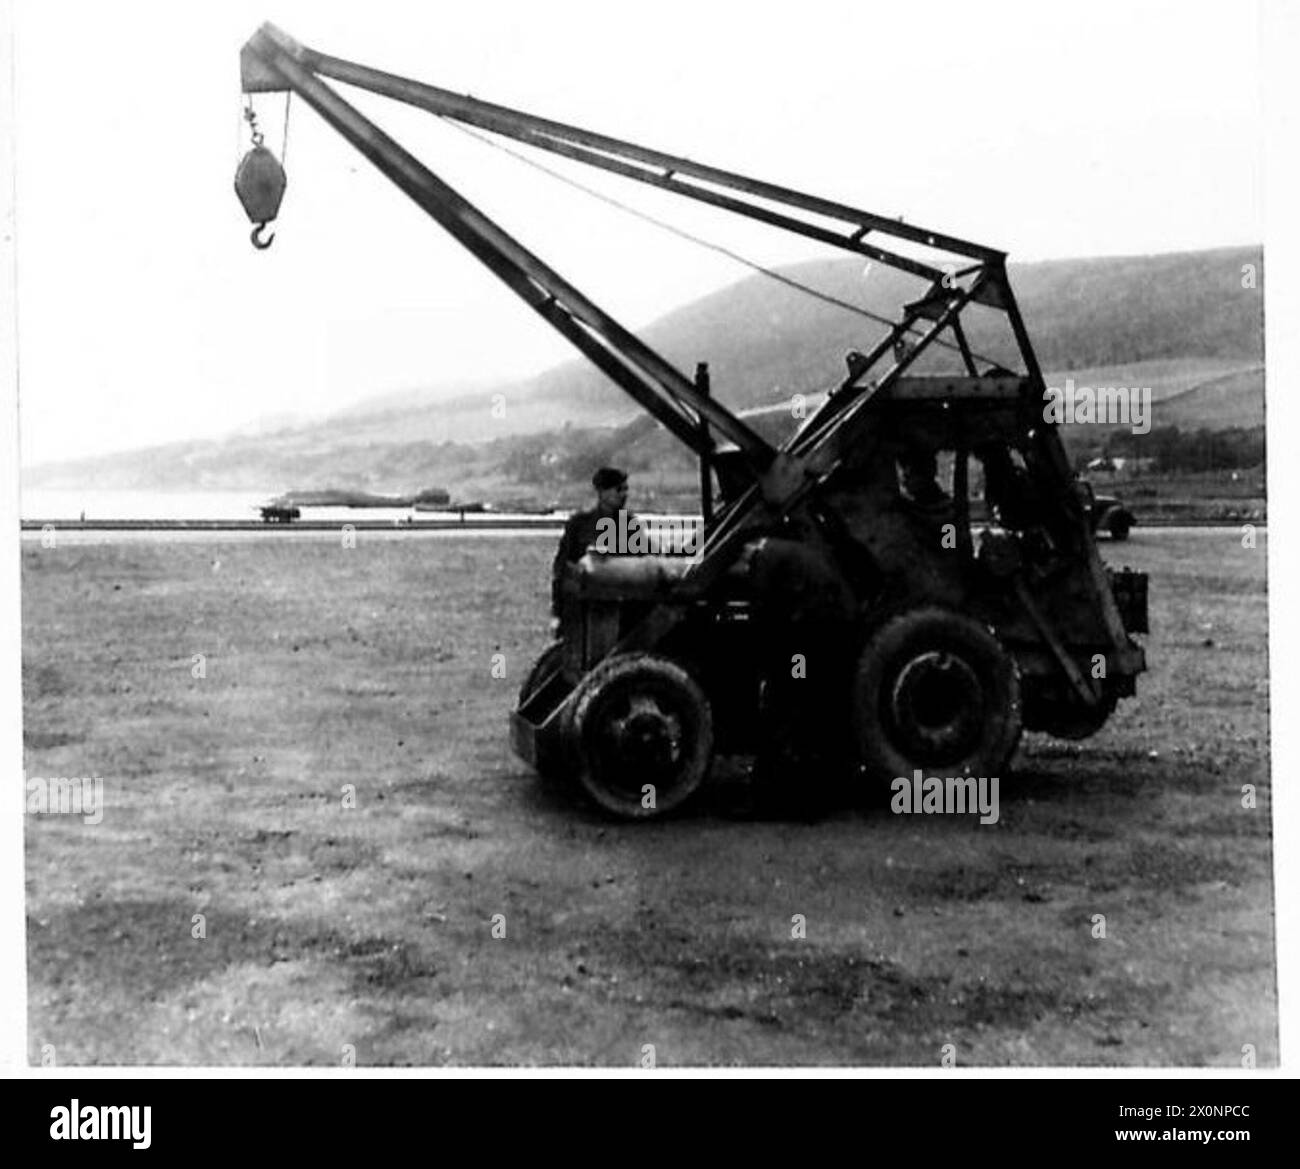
{"points": [[841, 610]]}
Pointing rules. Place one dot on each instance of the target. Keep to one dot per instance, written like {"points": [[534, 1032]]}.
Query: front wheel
{"points": [[640, 734], [935, 692]]}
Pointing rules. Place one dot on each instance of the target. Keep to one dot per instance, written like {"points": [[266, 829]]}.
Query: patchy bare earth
{"points": [[369, 929]]}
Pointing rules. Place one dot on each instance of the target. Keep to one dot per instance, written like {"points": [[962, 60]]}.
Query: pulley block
{"points": [[260, 183]]}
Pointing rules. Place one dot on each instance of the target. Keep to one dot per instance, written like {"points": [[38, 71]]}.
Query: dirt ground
{"points": [[331, 932]]}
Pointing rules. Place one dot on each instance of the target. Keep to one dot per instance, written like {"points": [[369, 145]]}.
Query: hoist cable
{"points": [[284, 141], [682, 233]]}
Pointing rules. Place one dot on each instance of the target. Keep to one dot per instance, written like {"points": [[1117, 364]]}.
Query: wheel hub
{"points": [[644, 737], [937, 705]]}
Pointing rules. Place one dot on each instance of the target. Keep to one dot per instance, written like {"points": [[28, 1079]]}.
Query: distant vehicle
{"points": [[1108, 514], [469, 507], [278, 513]]}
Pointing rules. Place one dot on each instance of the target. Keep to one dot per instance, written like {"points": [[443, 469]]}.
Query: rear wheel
{"points": [[1119, 527], [640, 734], [935, 691]]}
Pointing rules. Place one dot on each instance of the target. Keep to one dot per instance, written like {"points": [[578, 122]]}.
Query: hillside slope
{"points": [[1175, 320]]}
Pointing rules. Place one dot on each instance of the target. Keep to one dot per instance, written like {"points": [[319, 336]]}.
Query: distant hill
{"points": [[1181, 321], [765, 341], [1235, 399]]}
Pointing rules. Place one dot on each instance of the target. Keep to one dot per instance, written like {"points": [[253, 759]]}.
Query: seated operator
{"points": [[580, 530], [920, 480]]}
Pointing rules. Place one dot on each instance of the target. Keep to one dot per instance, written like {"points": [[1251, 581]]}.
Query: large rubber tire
{"points": [[935, 691], [1119, 528], [638, 720]]}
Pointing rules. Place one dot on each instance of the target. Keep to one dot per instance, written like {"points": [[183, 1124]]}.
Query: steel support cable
{"points": [[700, 241]]}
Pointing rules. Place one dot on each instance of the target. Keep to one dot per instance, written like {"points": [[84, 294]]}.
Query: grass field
{"points": [[331, 932]]}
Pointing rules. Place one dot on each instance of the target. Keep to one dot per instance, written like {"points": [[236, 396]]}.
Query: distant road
{"points": [[475, 523]]}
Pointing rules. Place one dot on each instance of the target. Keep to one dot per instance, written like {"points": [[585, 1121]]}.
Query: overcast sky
{"points": [[145, 315]]}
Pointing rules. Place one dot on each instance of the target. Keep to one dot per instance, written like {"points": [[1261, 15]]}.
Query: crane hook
{"points": [[256, 236]]}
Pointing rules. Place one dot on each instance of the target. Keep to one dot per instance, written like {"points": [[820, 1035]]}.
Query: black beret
{"points": [[608, 477]]}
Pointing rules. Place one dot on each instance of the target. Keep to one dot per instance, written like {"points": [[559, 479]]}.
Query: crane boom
{"points": [[778, 478]]}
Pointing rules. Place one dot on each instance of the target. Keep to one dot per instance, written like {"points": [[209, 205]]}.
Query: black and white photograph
{"points": [[683, 536]]}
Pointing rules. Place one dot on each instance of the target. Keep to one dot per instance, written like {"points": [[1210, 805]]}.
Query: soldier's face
{"points": [[613, 498]]}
